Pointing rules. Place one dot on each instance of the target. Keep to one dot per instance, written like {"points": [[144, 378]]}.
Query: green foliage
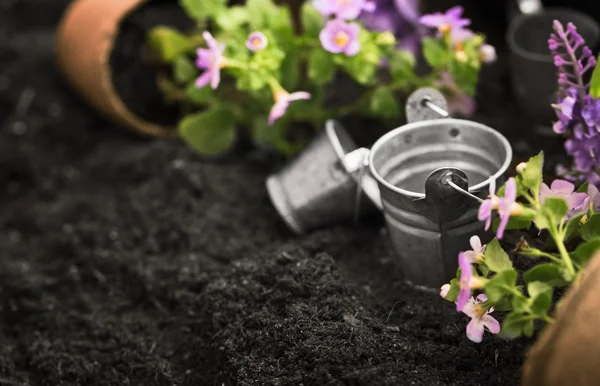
{"points": [[166, 44], [200, 10], [292, 60], [321, 67], [183, 69], [552, 212], [532, 175], [595, 83], [591, 229], [210, 132], [495, 258], [383, 103], [501, 285], [550, 273]]}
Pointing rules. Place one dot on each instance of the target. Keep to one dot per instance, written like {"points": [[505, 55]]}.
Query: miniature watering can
{"points": [[427, 177]]}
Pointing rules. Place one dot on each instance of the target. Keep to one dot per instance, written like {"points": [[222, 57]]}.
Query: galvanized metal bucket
{"points": [[320, 186], [429, 220]]}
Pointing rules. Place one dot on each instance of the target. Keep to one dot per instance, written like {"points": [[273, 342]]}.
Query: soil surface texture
{"points": [[128, 261]]}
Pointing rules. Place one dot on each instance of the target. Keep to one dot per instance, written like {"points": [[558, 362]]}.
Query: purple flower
{"points": [[211, 60], [450, 22], [401, 17], [565, 190], [507, 206], [480, 319], [343, 9], [593, 199], [282, 102], [476, 254], [256, 41], [585, 149], [339, 36]]}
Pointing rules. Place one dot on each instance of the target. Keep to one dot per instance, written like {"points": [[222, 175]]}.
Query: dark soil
{"points": [[131, 262]]}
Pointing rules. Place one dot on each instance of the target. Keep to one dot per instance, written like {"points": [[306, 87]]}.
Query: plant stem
{"points": [[563, 251]]}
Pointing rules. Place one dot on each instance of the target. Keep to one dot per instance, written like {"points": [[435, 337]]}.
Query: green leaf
{"points": [[210, 132], [465, 76], [531, 177], [552, 212], [402, 65], [591, 229], [583, 188], [183, 69], [290, 72], [495, 258], [501, 285], [585, 251], [264, 14], [573, 227], [541, 297], [435, 51], [518, 303], [514, 223], [232, 18], [312, 20], [547, 273], [166, 43], [385, 39], [383, 103], [199, 95], [595, 83], [454, 290], [514, 324], [200, 10], [320, 66], [503, 305]]}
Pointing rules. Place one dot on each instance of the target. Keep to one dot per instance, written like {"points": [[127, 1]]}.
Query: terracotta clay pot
{"points": [[84, 42], [568, 351]]}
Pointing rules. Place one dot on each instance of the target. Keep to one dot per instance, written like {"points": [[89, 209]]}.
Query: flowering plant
{"points": [[578, 105], [252, 66], [569, 217]]}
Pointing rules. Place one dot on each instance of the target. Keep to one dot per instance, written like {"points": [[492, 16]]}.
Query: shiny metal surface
{"points": [[425, 104], [429, 221], [318, 188]]}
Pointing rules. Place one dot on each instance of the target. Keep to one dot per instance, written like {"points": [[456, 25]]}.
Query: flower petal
{"points": [[475, 242], [277, 111], [502, 226], [562, 186], [510, 193], [298, 95], [491, 324], [475, 330], [215, 78], [203, 79], [210, 41], [353, 48], [434, 20]]}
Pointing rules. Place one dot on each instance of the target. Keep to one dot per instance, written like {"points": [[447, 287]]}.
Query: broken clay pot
{"points": [[84, 41], [567, 352]]}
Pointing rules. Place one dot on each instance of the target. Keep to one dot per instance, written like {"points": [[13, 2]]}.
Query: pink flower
{"points": [[487, 206], [211, 60], [566, 190], [339, 36], [466, 274], [593, 199], [507, 206], [343, 9], [282, 102], [256, 41], [444, 290], [450, 22], [480, 319], [475, 255]]}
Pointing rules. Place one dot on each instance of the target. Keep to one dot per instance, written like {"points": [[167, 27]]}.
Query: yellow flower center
{"points": [[516, 209], [341, 39], [445, 28], [255, 42], [278, 94], [479, 310]]}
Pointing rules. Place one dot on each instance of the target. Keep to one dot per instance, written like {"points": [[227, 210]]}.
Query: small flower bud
{"points": [[444, 290], [461, 56], [521, 167], [584, 219], [385, 39], [487, 53]]}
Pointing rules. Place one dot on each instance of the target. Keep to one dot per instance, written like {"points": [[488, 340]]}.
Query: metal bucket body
{"points": [[429, 221], [316, 189]]}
